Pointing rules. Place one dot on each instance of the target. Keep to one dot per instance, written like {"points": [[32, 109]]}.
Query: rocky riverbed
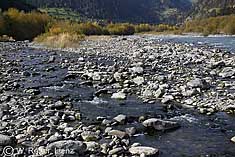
{"points": [[120, 96]]}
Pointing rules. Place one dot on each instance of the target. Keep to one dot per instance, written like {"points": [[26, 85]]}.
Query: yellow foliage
{"points": [[165, 27], [23, 26], [143, 28], [121, 29], [213, 25], [2, 25]]}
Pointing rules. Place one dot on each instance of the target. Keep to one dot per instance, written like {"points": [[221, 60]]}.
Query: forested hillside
{"points": [[19, 4], [151, 11], [208, 8]]}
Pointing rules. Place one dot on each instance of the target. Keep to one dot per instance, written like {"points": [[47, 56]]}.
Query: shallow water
{"points": [[223, 42]]}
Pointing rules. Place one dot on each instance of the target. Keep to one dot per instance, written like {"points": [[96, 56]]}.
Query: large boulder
{"points": [[160, 125]]}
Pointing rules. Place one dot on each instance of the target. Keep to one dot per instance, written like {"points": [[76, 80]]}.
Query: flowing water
{"points": [[218, 41]]}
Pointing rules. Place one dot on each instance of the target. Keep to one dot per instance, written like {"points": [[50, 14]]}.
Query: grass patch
{"points": [[61, 40]]}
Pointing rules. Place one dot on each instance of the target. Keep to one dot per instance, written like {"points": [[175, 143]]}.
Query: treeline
{"points": [[68, 34], [27, 26], [22, 26], [212, 25]]}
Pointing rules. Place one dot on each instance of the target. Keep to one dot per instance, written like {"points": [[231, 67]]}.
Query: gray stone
{"points": [[143, 150], [137, 70], [71, 147], [233, 139], [117, 150], [118, 133], [120, 119], [119, 95], [5, 140], [130, 131], [197, 83], [90, 136], [227, 72], [138, 80], [167, 98], [160, 125]]}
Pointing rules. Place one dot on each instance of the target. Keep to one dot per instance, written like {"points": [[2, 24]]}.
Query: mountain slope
{"points": [[152, 11], [19, 4], [207, 8]]}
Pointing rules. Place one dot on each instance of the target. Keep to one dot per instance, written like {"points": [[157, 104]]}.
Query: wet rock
{"points": [[227, 72], [106, 122], [72, 147], [160, 125], [33, 91], [121, 119], [117, 150], [117, 133], [138, 80], [197, 83], [96, 76], [159, 93], [25, 73], [229, 107], [51, 59], [147, 93], [131, 131], [166, 99], [90, 136], [58, 105], [55, 137], [233, 139], [117, 76], [100, 92], [92, 146], [5, 140], [148, 151], [137, 70], [119, 95], [3, 125], [218, 64], [31, 130]]}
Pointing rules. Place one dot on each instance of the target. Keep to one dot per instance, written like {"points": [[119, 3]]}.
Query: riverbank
{"points": [[109, 96]]}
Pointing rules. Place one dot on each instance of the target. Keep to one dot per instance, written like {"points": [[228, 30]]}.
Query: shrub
{"points": [[91, 29], [2, 25], [213, 25], [121, 29], [143, 28], [23, 26], [164, 27], [6, 38]]}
